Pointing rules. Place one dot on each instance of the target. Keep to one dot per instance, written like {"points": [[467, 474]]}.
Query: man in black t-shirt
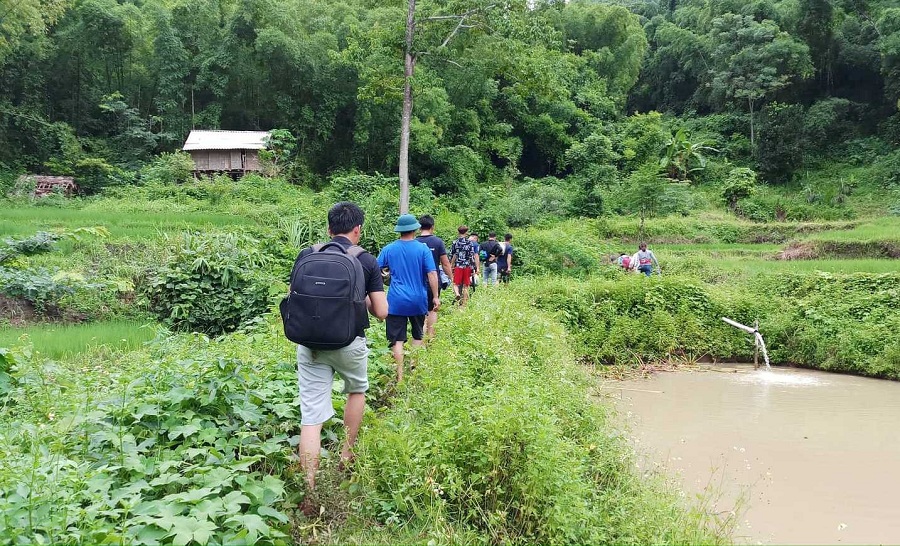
{"points": [[316, 368], [491, 250], [504, 262], [441, 263]]}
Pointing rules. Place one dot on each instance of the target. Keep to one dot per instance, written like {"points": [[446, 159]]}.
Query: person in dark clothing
{"points": [[490, 251], [504, 262], [441, 263]]}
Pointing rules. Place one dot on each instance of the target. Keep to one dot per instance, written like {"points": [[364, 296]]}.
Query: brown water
{"points": [[815, 456]]}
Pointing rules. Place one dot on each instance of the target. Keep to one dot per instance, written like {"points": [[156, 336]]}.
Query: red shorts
{"points": [[462, 276]]}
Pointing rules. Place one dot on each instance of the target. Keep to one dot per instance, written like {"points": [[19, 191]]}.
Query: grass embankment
{"points": [[705, 228], [836, 322], [492, 439], [66, 340], [873, 239]]}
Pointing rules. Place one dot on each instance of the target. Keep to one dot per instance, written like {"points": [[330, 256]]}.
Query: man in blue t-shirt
{"points": [[412, 274]]}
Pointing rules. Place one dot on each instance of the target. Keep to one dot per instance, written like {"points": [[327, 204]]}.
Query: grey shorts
{"points": [[315, 375]]}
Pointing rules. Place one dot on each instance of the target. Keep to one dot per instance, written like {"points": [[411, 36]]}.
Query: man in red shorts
{"points": [[465, 261]]}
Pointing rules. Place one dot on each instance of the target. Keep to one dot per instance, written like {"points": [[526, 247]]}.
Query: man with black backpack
{"points": [[332, 287], [490, 251]]}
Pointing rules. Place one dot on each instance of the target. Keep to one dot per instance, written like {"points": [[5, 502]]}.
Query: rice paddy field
{"points": [[65, 341], [122, 224]]}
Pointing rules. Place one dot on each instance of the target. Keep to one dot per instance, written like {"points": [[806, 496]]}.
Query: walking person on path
{"points": [[504, 262], [413, 274], [316, 368], [441, 263], [464, 259], [490, 250], [644, 259], [476, 247]]}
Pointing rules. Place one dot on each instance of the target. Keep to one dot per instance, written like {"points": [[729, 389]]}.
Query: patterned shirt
{"points": [[464, 253]]}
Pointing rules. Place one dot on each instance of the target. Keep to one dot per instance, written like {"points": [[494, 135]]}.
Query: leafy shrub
{"points": [[7, 179], [45, 290], [485, 212], [677, 198], [740, 183], [210, 284], [462, 169], [886, 171], [169, 168], [562, 251], [93, 174], [356, 187], [779, 149], [536, 201], [825, 119], [195, 450]]}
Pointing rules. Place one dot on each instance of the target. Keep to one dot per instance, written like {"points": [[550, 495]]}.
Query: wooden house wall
{"points": [[251, 160], [220, 160], [201, 160], [225, 160]]}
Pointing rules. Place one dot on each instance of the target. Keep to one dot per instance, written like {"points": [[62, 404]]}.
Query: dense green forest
{"points": [[578, 95]]}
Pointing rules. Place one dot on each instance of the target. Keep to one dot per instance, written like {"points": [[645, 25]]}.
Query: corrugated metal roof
{"points": [[225, 140]]}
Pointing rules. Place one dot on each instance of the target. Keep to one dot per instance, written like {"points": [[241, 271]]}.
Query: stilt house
{"points": [[229, 152]]}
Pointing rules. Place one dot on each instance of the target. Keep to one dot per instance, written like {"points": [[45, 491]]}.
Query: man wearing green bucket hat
{"points": [[412, 271]]}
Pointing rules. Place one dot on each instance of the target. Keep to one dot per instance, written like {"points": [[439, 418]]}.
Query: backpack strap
{"points": [[356, 251]]}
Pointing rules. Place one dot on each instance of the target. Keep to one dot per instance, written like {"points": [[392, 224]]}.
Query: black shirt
{"points": [[371, 272], [436, 246], [493, 250]]}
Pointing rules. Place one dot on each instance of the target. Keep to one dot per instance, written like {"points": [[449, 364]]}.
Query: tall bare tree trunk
{"points": [[409, 68], [752, 127]]}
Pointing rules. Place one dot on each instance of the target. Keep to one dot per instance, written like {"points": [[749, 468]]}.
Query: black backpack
{"points": [[326, 305], [493, 249]]}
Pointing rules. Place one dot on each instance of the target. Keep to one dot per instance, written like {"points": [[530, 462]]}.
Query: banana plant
{"points": [[683, 157]]}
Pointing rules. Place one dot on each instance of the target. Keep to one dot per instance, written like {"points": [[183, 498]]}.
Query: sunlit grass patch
{"points": [[19, 220], [62, 341]]}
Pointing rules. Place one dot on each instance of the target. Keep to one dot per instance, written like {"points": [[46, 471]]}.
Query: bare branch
{"points": [[454, 33], [463, 15]]}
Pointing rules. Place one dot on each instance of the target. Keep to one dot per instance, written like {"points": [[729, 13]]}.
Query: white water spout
{"points": [[762, 345], [757, 337]]}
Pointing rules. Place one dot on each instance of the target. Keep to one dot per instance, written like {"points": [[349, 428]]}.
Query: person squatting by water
{"points": [[441, 262], [410, 263], [316, 368], [644, 259]]}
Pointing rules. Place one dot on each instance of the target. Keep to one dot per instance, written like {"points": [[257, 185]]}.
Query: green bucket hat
{"points": [[407, 222]]}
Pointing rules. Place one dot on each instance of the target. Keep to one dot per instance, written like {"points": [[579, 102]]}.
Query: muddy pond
{"points": [[813, 457]]}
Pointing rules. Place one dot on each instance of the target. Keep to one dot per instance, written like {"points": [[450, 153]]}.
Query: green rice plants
{"points": [[59, 341]]}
